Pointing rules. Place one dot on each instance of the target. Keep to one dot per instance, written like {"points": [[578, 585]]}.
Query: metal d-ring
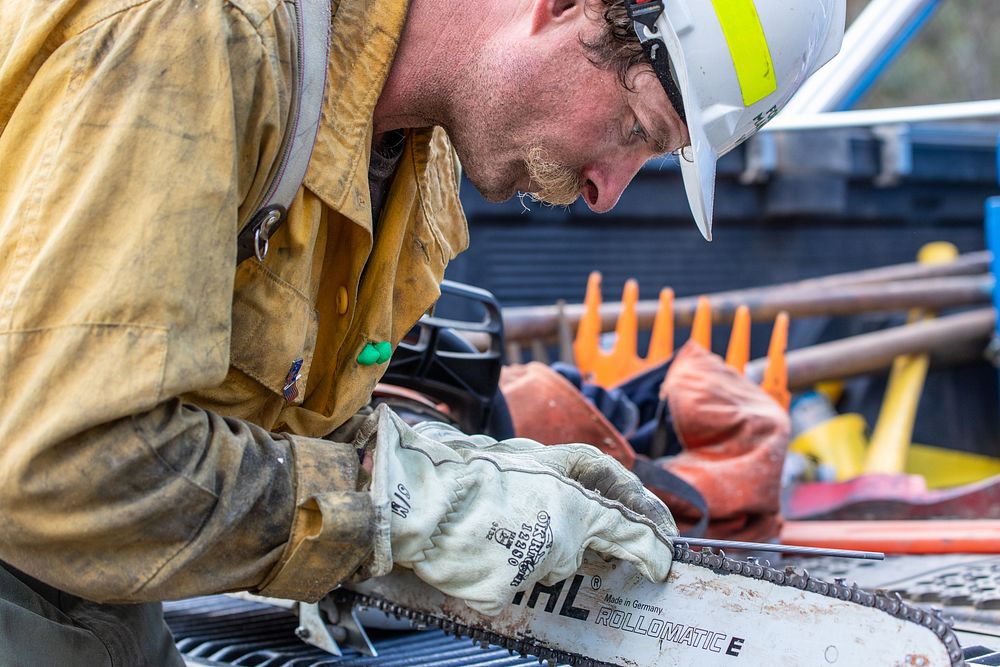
{"points": [[263, 232], [258, 249]]}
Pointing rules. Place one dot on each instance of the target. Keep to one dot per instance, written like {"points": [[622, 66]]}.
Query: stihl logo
{"points": [[552, 594], [628, 615]]}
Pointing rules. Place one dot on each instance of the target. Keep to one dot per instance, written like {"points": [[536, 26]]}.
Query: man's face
{"points": [[541, 118]]}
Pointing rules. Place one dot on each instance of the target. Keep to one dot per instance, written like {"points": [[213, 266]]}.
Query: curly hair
{"points": [[616, 46]]}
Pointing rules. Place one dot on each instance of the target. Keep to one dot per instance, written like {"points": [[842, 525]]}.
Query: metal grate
{"points": [[229, 631], [220, 630]]}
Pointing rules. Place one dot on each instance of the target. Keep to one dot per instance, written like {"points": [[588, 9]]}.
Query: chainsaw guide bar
{"points": [[713, 610]]}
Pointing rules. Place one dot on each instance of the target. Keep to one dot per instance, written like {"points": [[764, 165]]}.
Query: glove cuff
{"points": [[381, 561]]}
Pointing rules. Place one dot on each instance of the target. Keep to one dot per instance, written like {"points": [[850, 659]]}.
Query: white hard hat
{"points": [[733, 64]]}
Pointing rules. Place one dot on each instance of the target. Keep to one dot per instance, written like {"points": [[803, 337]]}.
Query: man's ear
{"points": [[545, 13]]}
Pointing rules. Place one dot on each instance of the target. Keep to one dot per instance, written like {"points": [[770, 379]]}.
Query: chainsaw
{"points": [[712, 610]]}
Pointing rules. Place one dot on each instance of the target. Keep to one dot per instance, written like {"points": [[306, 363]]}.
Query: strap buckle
{"points": [[644, 11], [644, 14]]}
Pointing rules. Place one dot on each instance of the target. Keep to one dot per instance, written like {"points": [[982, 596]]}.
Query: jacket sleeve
{"points": [[133, 142]]}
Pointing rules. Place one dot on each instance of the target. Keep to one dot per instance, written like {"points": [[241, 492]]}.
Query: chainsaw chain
{"points": [[484, 638], [890, 603]]}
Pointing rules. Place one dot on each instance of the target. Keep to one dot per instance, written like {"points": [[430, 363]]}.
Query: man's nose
{"points": [[604, 183]]}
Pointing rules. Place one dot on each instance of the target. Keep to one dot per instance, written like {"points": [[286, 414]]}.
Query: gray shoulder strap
{"points": [[312, 48]]}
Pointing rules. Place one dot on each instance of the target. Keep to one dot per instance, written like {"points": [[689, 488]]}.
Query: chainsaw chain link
{"points": [[890, 603]]}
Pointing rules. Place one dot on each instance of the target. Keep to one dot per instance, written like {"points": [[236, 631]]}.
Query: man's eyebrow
{"points": [[662, 137]]}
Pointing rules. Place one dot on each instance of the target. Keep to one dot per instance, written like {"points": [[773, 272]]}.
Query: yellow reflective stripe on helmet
{"points": [[748, 48]]}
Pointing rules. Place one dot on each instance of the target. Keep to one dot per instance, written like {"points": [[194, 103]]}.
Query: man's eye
{"points": [[639, 131]]}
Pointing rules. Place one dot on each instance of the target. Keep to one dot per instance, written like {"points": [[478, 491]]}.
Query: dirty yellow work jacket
{"points": [[146, 449]]}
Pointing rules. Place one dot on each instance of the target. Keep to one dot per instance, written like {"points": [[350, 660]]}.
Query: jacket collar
{"points": [[364, 36]]}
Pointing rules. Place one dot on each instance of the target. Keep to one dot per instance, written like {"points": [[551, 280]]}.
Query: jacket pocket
{"points": [[273, 331]]}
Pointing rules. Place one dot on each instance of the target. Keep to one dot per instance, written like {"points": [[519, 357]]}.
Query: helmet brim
{"points": [[699, 162], [698, 171]]}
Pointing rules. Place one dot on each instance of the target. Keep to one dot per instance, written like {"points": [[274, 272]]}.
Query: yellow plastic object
{"points": [[945, 468], [839, 442], [748, 48], [738, 352], [894, 428], [937, 252], [832, 389]]}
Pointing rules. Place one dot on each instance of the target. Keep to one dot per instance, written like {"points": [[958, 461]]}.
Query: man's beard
{"points": [[554, 182]]}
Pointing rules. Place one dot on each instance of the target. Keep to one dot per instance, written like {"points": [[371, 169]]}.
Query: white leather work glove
{"points": [[479, 519]]}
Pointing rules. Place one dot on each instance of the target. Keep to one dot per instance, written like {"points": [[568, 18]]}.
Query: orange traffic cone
{"points": [[661, 343], [701, 327], [623, 361], [738, 352], [775, 381]]}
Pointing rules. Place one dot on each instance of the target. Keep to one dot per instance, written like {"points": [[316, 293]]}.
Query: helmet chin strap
{"points": [[644, 14]]}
